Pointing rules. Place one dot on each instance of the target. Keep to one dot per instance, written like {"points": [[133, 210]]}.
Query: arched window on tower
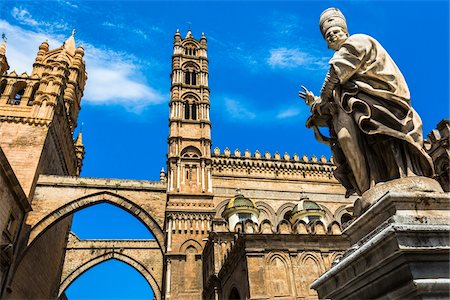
{"points": [[190, 49], [33, 93], [19, 90], [186, 110], [187, 77], [194, 111], [193, 78], [2, 86]]}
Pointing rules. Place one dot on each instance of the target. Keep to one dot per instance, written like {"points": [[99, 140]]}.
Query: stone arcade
{"points": [[270, 239]]}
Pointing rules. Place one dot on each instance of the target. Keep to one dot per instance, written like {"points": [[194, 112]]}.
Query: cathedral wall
{"points": [[13, 206], [185, 276], [275, 197], [39, 272], [276, 182], [23, 144]]}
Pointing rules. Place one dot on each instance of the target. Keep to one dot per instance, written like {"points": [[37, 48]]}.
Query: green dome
{"points": [[240, 203], [306, 204]]}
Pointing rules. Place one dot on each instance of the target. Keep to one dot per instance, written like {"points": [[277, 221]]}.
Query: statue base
{"points": [[401, 246], [411, 184]]}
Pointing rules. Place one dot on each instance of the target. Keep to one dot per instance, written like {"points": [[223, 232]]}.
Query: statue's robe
{"points": [[375, 98]]}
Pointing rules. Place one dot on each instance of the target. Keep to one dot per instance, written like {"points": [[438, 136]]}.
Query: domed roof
{"points": [[306, 204], [240, 200], [240, 203]]}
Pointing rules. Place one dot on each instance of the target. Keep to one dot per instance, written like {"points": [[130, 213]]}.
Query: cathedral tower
{"points": [[189, 185], [189, 156], [38, 112], [38, 116]]}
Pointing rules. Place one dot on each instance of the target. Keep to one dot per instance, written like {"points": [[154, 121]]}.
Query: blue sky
{"points": [[260, 52]]}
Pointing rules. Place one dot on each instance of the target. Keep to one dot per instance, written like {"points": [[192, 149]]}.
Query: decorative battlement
{"points": [[282, 167]]}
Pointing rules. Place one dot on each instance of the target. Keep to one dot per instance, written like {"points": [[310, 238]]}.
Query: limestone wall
{"points": [[13, 206]]}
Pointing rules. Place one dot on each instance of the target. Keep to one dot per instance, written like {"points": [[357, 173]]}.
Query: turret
{"points": [[189, 157], [42, 108], [3, 61], [240, 208], [79, 152]]}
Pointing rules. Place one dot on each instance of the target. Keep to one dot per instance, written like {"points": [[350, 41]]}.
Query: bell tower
{"points": [[39, 111], [189, 186], [189, 155]]}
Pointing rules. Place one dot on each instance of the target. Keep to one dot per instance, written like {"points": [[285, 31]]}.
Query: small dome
{"points": [[306, 204], [240, 203], [307, 210]]}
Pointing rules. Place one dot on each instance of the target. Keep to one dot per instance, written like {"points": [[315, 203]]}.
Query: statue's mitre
{"points": [[332, 17]]}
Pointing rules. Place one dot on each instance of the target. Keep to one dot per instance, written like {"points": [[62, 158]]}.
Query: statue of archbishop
{"points": [[375, 134]]}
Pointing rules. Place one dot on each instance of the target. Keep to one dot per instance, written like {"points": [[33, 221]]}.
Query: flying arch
{"points": [[70, 278], [102, 197]]}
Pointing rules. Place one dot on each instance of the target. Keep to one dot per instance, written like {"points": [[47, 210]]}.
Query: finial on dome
{"points": [[189, 34]]}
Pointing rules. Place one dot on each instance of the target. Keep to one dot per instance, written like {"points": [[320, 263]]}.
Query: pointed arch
{"points": [[70, 278], [221, 207], [191, 243], [283, 209], [102, 197], [266, 211], [278, 267], [3, 84]]}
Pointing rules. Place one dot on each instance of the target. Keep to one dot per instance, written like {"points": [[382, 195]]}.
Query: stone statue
{"points": [[375, 134]]}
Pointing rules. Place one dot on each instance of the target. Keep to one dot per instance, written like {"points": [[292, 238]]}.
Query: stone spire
{"points": [[189, 34], [69, 44], [3, 48], [162, 175], [3, 61], [79, 152]]}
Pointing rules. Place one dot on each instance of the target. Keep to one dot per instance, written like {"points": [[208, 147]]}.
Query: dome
{"points": [[307, 211], [306, 204], [240, 203]]}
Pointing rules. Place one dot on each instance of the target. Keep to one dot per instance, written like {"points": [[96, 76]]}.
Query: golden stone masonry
{"points": [[270, 239]]}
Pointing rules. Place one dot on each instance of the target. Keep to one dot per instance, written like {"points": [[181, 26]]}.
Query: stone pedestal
{"points": [[401, 247]]}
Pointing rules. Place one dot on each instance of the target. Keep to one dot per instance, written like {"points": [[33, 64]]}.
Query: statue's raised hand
{"points": [[307, 95]]}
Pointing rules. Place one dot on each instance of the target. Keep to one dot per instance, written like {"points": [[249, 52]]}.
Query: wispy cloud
{"points": [[129, 29], [237, 110], [24, 17], [284, 25], [288, 113], [236, 53], [113, 78], [289, 58]]}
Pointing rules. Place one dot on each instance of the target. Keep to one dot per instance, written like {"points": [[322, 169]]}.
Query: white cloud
{"points": [[237, 110], [289, 58], [112, 76], [24, 17], [288, 113]]}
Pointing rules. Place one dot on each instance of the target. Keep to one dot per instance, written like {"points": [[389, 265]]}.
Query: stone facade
{"points": [[269, 240]]}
